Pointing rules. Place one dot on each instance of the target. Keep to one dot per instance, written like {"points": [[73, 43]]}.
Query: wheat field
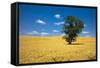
{"points": [[55, 49]]}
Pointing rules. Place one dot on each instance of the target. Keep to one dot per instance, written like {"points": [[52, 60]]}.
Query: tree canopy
{"points": [[72, 27]]}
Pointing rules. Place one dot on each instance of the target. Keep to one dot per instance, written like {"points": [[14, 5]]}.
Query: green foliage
{"points": [[72, 27]]}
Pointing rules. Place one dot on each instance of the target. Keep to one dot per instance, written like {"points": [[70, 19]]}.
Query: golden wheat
{"points": [[55, 49]]}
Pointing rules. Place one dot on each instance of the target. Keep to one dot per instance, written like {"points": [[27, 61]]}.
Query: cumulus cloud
{"points": [[85, 32], [59, 23], [87, 36], [38, 33], [40, 21], [57, 16], [33, 32], [55, 30], [44, 33], [62, 34]]}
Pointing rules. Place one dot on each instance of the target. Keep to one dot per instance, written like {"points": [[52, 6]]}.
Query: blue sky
{"points": [[38, 20]]}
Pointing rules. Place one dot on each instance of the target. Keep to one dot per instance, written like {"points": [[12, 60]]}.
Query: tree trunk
{"points": [[69, 42]]}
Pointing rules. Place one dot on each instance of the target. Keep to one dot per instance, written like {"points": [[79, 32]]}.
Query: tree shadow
{"points": [[75, 44]]}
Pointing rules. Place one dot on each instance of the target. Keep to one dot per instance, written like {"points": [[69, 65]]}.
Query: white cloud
{"points": [[62, 34], [33, 32], [87, 36], [38, 33], [40, 21], [59, 23], [57, 16], [44, 33], [55, 30], [85, 32]]}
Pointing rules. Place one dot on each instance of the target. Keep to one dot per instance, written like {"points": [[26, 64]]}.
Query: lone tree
{"points": [[72, 27]]}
